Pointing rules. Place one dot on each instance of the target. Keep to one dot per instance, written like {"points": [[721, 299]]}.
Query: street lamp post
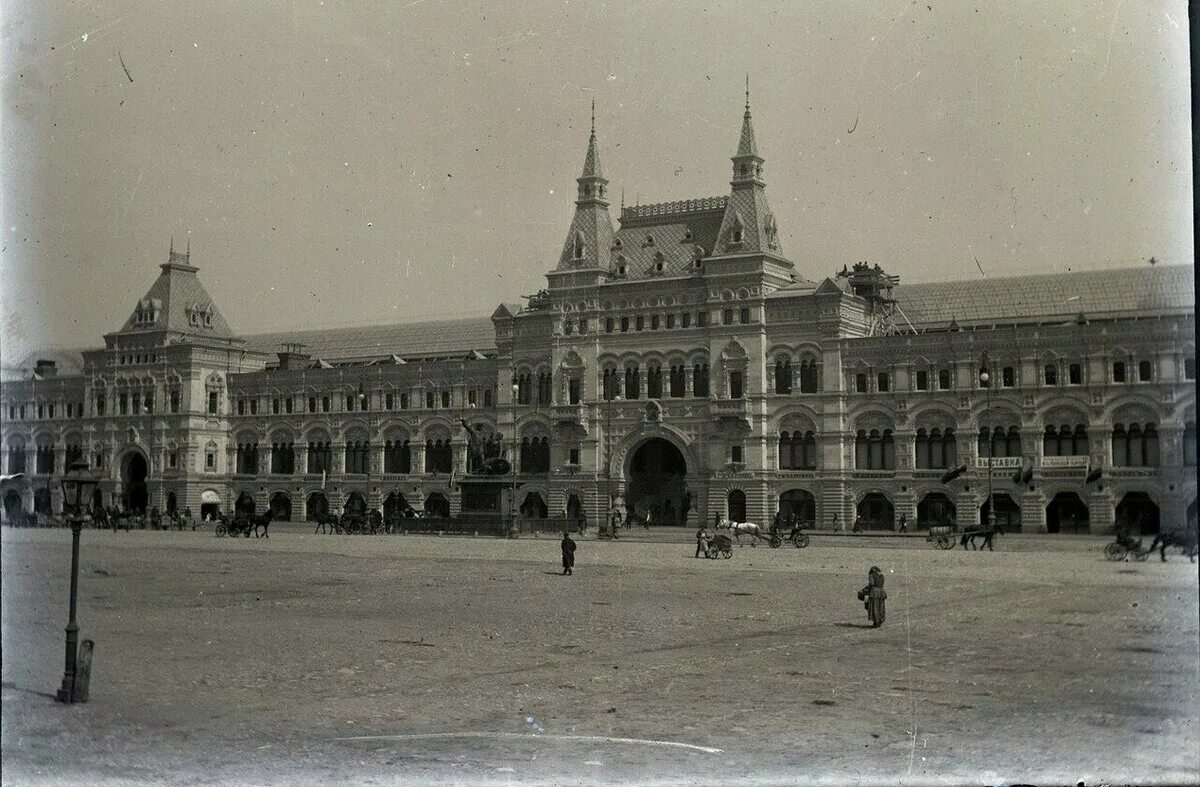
{"points": [[608, 451], [985, 379], [512, 497], [77, 486]]}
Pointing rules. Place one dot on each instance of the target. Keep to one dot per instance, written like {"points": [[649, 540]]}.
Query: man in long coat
{"points": [[873, 597], [568, 553]]}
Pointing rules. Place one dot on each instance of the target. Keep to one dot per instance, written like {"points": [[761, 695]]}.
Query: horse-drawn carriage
{"points": [[245, 525], [944, 536], [798, 537], [719, 545]]}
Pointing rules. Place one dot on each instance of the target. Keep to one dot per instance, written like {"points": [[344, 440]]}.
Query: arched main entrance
{"points": [[877, 512], [394, 505], [13, 507], [437, 506], [316, 507], [134, 470], [1067, 513], [1008, 512], [1139, 513], [210, 504], [799, 503], [656, 482], [574, 508], [735, 505], [244, 504], [356, 504], [281, 507], [936, 508], [534, 507], [172, 503]]}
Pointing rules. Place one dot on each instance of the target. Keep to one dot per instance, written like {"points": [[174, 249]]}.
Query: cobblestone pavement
{"points": [[421, 659]]}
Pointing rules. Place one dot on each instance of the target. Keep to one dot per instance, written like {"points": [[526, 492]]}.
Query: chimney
{"points": [[293, 356], [45, 368]]}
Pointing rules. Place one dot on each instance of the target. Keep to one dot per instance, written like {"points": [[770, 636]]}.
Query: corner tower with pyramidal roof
{"points": [[587, 250], [748, 228]]}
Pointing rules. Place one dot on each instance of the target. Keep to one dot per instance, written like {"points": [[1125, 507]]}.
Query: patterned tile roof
{"points": [[1052, 295], [677, 229], [432, 338], [181, 303]]}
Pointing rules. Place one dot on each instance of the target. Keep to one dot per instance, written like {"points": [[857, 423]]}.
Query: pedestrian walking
{"points": [[904, 523], [860, 524], [873, 596], [837, 523], [568, 553], [702, 542]]}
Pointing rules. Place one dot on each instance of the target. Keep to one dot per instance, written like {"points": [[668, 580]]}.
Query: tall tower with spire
{"points": [[590, 238], [749, 225]]}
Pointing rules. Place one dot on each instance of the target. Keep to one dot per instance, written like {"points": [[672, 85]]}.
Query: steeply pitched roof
{"points": [[1048, 296], [432, 338], [177, 301]]}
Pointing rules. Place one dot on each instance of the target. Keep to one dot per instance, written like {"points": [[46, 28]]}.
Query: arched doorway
{"points": [[394, 506], [1008, 512], [1067, 513], [574, 508], [97, 500], [356, 504], [534, 507], [281, 507], [799, 503], [877, 512], [317, 506], [1139, 513], [437, 506], [656, 481], [244, 504], [210, 504], [172, 503], [735, 505], [936, 508], [13, 507], [134, 470], [41, 501]]}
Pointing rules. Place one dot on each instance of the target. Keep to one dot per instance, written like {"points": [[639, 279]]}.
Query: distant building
{"points": [[744, 388]]}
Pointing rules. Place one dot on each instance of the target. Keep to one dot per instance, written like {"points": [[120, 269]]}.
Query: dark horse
{"points": [[986, 533], [1184, 539]]}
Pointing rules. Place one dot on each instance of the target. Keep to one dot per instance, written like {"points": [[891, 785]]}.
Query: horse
{"points": [[1186, 540], [262, 522], [986, 534], [327, 523], [738, 528]]}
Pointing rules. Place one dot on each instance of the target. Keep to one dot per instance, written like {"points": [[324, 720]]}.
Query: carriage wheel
{"points": [[800, 541], [775, 541], [221, 530], [945, 543], [727, 553], [1114, 552]]}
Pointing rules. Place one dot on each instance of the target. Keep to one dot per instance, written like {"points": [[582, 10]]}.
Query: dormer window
{"points": [[580, 246], [658, 262], [620, 266], [649, 240], [737, 235], [617, 243]]}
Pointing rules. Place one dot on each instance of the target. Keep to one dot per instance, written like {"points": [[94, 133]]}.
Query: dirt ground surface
{"points": [[421, 659]]}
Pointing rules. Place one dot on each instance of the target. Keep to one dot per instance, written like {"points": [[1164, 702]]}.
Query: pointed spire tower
{"points": [[589, 241], [748, 226]]}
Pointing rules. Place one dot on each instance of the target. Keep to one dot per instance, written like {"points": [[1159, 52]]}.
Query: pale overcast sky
{"points": [[341, 163]]}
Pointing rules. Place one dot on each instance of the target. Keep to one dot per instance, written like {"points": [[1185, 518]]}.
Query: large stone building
{"points": [[678, 363]]}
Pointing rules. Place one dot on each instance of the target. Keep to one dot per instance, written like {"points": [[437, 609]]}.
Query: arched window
{"points": [[678, 382], [654, 383], [358, 457], [875, 450], [612, 383], [633, 383], [808, 376], [1145, 372], [783, 376], [700, 380], [1118, 371], [396, 457], [283, 458], [543, 381], [999, 442], [1135, 445]]}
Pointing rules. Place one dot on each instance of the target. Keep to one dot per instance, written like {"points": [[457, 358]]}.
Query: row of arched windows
{"points": [[1000, 442], [797, 450], [439, 456], [283, 458], [1065, 440], [396, 457], [358, 457], [535, 455], [247, 459], [936, 449], [1135, 445], [529, 387], [809, 376], [627, 382], [874, 450]]}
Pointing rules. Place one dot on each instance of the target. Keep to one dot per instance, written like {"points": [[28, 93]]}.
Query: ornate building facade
{"points": [[678, 364]]}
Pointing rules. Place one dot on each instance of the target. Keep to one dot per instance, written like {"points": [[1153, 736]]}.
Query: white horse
{"points": [[738, 528]]}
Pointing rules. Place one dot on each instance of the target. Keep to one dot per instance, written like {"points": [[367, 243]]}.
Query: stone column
{"points": [[688, 383], [302, 458], [339, 457], [377, 447], [265, 453]]}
